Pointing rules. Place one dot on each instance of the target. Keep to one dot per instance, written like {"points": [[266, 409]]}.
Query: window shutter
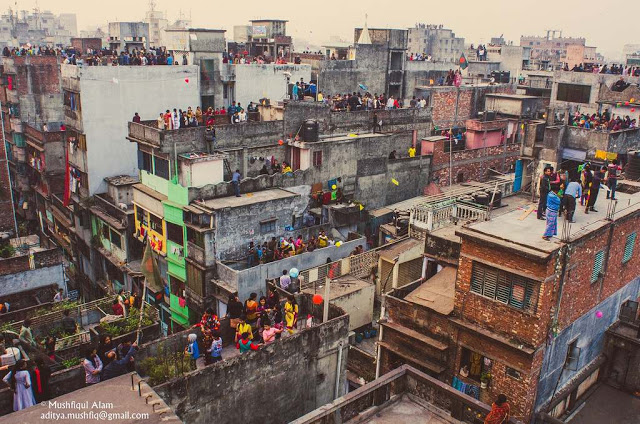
{"points": [[628, 247], [477, 277], [597, 266]]}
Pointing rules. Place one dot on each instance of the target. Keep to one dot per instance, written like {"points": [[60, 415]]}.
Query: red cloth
{"points": [[117, 309], [38, 382]]}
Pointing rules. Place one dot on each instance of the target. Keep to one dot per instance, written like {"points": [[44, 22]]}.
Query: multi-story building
{"points": [[98, 101], [202, 47], [157, 23], [268, 37], [436, 41], [38, 28], [507, 312], [128, 35], [548, 52], [31, 98]]}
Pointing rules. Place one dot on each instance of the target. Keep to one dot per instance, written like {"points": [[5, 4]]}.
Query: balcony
{"points": [[78, 158], [385, 399], [147, 132]]}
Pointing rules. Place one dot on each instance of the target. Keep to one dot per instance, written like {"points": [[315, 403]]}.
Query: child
{"points": [[242, 328], [215, 349], [245, 345], [269, 333]]}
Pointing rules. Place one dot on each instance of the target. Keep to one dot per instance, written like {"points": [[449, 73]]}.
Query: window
{"points": [[574, 93], [177, 287], [156, 223], [505, 287], [140, 215], [597, 266], [317, 158], [475, 363], [105, 231], [144, 161], [268, 226], [629, 311], [161, 167], [175, 234], [515, 374], [116, 239], [628, 247], [573, 356], [195, 237], [72, 100]]}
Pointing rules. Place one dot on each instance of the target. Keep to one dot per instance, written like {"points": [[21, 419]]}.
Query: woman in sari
{"points": [[499, 411], [291, 313], [19, 380], [553, 205]]}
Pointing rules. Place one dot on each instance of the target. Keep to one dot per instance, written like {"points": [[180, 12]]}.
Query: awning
{"points": [[574, 154]]}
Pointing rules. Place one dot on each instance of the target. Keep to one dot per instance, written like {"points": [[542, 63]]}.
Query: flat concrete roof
{"points": [[119, 401], [609, 405], [437, 292], [527, 232], [406, 410], [247, 199], [341, 286], [196, 29], [398, 248]]}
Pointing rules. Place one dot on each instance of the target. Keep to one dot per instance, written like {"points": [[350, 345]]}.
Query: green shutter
{"points": [[628, 247], [597, 266]]}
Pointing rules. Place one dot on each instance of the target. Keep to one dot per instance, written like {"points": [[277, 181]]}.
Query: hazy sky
{"points": [[317, 20]]}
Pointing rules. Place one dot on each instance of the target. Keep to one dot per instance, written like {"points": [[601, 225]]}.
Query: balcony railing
{"points": [[432, 217], [372, 397]]}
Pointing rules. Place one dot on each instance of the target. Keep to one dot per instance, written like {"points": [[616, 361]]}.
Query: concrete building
{"points": [[548, 52], [580, 55], [202, 47], [31, 97], [402, 393], [31, 263], [378, 64], [436, 41], [128, 36], [17, 28], [501, 323], [157, 23], [268, 37], [96, 99]]}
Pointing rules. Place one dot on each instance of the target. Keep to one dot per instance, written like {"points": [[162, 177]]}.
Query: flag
{"points": [[463, 62], [149, 269]]}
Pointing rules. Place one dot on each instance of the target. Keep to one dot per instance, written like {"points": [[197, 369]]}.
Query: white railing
{"points": [[431, 218]]}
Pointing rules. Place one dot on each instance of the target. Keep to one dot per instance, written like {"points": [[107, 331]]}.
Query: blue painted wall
{"points": [[589, 331]]}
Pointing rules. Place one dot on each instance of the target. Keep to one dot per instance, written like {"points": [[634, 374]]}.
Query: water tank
{"points": [[632, 170], [310, 130]]}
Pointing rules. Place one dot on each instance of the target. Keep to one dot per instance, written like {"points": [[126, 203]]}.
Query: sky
{"points": [[316, 21]]}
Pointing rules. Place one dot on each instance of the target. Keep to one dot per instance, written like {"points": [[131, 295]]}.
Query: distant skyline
{"points": [[317, 21]]}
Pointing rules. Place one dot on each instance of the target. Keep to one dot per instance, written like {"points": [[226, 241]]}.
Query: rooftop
{"points": [[341, 286], [196, 29], [246, 199], [512, 96], [437, 292], [519, 227], [117, 396], [120, 180]]}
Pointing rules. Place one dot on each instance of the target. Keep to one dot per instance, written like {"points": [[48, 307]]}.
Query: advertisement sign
{"points": [[259, 31]]}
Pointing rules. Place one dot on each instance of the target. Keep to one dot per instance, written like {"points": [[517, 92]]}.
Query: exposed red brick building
{"points": [[533, 314]]}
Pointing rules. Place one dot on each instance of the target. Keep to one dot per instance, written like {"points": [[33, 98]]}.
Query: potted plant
{"points": [[485, 379]]}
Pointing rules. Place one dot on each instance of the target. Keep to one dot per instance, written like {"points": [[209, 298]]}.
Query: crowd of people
{"points": [[244, 58], [604, 121], [256, 322], [560, 193], [614, 69], [188, 118], [277, 249]]}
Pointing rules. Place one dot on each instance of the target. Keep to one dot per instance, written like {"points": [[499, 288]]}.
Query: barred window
{"points": [[505, 287]]}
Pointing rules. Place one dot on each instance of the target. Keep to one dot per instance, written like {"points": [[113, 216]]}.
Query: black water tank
{"points": [[632, 170], [310, 130]]}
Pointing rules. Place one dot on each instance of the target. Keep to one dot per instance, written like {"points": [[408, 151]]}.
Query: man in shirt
{"points": [[545, 186], [571, 193], [59, 297], [412, 152], [136, 117], [235, 180], [613, 171]]}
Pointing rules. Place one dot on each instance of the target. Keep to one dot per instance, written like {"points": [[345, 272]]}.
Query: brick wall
{"points": [[6, 206], [579, 294], [470, 102], [527, 328], [474, 164], [42, 259], [521, 392]]}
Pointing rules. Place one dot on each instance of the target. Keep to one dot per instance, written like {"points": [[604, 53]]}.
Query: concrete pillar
{"points": [[245, 165]]}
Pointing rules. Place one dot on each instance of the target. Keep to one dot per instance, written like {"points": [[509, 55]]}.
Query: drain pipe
{"points": [[338, 368]]}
